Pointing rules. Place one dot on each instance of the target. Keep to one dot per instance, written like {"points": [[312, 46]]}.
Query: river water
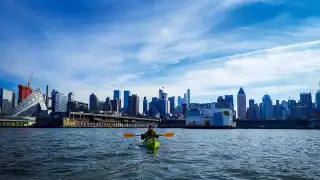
{"points": [[191, 154]]}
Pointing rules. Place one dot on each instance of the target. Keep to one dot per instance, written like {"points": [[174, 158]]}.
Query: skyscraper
{"points": [[242, 104], [59, 101], [133, 105], [145, 105], [6, 100], [221, 103], [94, 103], [71, 97], [267, 107], [188, 98], [13, 101], [251, 102], [318, 99], [229, 101], [172, 105], [160, 93], [126, 95], [306, 99], [116, 94]]}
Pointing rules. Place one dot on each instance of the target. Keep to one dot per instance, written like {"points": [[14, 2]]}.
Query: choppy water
{"points": [[191, 154]]}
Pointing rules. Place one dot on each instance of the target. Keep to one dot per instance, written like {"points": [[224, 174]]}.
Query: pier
{"points": [[90, 120]]}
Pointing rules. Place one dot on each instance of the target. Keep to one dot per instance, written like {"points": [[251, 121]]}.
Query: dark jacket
{"points": [[151, 134]]}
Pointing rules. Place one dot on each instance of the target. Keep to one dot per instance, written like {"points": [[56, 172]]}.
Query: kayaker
{"points": [[151, 133]]}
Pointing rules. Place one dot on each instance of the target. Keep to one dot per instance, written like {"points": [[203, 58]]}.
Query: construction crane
{"points": [[28, 85], [30, 80]]}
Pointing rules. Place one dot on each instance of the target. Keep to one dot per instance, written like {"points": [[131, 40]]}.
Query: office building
{"points": [[161, 105], [6, 101], [277, 110], [251, 102], [160, 93], [107, 105], [13, 101], [317, 99], [59, 101], [145, 105], [306, 100], [133, 105], [76, 106], [242, 104], [94, 103], [115, 105], [188, 98], [221, 103], [267, 107], [71, 97], [116, 94], [172, 105], [229, 102], [126, 95]]}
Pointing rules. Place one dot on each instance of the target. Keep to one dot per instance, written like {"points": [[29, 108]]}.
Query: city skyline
{"points": [[275, 52]]}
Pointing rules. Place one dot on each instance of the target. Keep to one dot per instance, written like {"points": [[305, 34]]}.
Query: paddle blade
{"points": [[128, 135], [168, 135]]}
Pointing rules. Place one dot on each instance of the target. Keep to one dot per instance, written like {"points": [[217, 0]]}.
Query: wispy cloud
{"points": [[176, 44]]}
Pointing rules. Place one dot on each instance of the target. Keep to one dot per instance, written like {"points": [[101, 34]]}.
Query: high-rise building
{"points": [[284, 109], [229, 101], [180, 101], [24, 92], [126, 95], [6, 101], [172, 105], [188, 98], [145, 105], [318, 99], [185, 97], [277, 110], [94, 103], [13, 101], [221, 103], [115, 105], [116, 94], [133, 105], [306, 100], [59, 101], [161, 107], [71, 97], [267, 107], [251, 102], [160, 93], [242, 104], [107, 105]]}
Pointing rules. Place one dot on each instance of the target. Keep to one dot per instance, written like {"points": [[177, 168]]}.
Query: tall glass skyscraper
{"points": [[229, 101], [126, 95], [94, 103], [267, 107], [242, 104], [116, 94], [188, 98], [318, 99], [145, 105], [59, 101], [172, 105]]}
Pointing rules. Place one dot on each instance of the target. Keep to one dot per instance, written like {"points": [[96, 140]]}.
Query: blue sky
{"points": [[210, 46]]}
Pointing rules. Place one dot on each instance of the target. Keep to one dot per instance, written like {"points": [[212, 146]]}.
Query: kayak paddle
{"points": [[166, 135]]}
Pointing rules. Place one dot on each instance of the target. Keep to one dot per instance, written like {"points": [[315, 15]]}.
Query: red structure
{"points": [[24, 92]]}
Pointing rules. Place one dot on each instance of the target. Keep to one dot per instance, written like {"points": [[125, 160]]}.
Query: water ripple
{"points": [[191, 154]]}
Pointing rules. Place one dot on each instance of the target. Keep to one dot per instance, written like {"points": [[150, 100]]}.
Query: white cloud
{"points": [[102, 57]]}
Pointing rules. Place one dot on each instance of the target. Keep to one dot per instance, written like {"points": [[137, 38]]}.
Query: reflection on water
{"points": [[191, 154]]}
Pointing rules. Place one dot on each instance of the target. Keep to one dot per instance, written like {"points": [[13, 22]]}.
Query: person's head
{"points": [[150, 127]]}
